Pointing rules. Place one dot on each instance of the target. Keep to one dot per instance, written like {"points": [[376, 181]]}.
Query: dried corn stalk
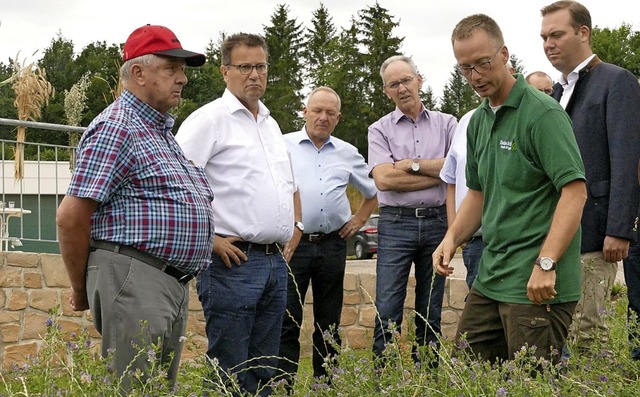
{"points": [[75, 102], [32, 94]]}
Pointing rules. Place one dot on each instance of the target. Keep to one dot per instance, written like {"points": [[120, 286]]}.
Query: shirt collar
{"points": [[302, 136], [515, 95], [234, 104], [575, 74], [150, 115], [399, 115]]}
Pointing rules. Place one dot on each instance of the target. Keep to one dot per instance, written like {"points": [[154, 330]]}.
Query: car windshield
{"points": [[373, 221]]}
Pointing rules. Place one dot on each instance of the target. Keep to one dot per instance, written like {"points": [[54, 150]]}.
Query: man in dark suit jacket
{"points": [[603, 101]]}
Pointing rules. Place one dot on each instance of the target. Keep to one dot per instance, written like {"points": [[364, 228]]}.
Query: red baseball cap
{"points": [[158, 40]]}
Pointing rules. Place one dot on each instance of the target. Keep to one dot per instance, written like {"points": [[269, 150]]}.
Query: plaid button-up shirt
{"points": [[151, 196]]}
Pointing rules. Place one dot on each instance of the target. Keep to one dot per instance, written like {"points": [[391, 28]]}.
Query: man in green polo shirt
{"points": [[527, 187]]}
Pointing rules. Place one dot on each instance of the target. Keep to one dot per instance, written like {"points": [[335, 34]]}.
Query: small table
{"points": [[8, 213]]}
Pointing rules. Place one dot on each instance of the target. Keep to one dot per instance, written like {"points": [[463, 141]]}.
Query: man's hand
{"points": [[79, 300], [351, 228], [403, 165], [615, 249], [541, 286], [442, 257], [224, 248], [291, 245]]}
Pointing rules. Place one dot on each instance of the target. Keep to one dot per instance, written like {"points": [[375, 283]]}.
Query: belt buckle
{"points": [[185, 279], [315, 237], [421, 212], [269, 249]]}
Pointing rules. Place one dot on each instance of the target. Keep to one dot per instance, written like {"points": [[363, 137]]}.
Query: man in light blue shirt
{"points": [[323, 166]]}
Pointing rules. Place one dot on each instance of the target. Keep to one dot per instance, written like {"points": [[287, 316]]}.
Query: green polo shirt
{"points": [[520, 157]]}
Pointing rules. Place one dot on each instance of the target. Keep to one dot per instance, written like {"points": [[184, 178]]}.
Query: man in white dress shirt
{"points": [[243, 293]]}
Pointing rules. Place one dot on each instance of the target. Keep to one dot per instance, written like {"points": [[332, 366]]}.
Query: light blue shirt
{"points": [[322, 176]]}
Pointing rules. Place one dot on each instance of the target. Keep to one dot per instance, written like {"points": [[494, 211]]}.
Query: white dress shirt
{"points": [[248, 167], [569, 83], [455, 164]]}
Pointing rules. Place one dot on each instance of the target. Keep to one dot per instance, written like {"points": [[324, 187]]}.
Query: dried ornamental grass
{"points": [[32, 94], [75, 102]]}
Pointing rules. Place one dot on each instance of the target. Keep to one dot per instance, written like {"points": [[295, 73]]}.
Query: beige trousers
{"points": [[598, 277]]}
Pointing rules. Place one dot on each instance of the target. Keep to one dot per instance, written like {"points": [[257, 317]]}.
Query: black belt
{"points": [[267, 249], [428, 212], [150, 260], [319, 237]]}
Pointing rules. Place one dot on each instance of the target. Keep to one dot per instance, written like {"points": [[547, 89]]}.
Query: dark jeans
{"points": [[631, 266], [243, 308], [471, 254], [495, 331], [322, 264], [402, 240]]}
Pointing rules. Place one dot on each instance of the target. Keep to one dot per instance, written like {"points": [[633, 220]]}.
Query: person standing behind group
{"points": [[603, 101], [244, 291], [323, 167], [453, 174], [523, 158], [136, 224], [407, 148], [540, 81]]}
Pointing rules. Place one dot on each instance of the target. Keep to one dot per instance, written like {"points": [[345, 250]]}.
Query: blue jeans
{"points": [[631, 266], [471, 254], [404, 239], [243, 308], [323, 265]]}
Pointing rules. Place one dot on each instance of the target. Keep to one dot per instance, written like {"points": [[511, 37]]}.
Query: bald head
{"points": [[541, 81]]}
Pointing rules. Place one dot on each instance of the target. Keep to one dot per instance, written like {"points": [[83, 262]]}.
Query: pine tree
{"points": [[284, 40], [319, 47]]}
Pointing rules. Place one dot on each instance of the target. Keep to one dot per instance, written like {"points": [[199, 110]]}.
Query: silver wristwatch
{"points": [[415, 166], [547, 264]]}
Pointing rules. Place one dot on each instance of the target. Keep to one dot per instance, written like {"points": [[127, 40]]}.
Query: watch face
{"points": [[546, 264], [415, 166]]}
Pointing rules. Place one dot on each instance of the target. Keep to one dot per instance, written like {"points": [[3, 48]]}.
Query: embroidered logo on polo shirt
{"points": [[508, 145]]}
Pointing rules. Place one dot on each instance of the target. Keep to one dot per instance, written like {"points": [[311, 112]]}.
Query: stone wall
{"points": [[32, 284]]}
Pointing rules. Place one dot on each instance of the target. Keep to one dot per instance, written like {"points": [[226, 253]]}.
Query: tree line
{"points": [[299, 56]]}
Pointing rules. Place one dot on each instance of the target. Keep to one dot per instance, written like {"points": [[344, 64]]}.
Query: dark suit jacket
{"points": [[605, 110]]}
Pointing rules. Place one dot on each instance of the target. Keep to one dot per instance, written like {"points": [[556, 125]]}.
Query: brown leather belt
{"points": [[143, 257]]}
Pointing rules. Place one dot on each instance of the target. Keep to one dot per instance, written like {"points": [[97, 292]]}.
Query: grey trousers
{"points": [[136, 307]]}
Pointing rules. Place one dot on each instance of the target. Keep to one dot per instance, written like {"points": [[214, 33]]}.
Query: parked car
{"points": [[364, 243]]}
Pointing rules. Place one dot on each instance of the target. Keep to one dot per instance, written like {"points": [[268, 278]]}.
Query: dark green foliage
{"points": [[301, 58], [283, 98]]}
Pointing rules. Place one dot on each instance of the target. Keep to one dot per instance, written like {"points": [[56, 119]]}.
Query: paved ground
{"points": [[369, 266]]}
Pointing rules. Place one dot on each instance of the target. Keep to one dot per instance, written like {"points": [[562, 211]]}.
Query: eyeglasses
{"points": [[548, 91], [396, 84], [481, 67], [246, 68]]}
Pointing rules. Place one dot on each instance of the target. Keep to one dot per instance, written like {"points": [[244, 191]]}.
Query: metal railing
{"points": [[37, 195]]}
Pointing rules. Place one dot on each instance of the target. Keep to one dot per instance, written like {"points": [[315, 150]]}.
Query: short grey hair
{"points": [[125, 69], [394, 58], [327, 89]]}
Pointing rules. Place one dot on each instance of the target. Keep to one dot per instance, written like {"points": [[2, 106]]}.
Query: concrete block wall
{"points": [[32, 284]]}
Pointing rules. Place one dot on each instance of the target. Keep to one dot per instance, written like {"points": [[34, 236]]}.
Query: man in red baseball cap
{"points": [[158, 40], [136, 224]]}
